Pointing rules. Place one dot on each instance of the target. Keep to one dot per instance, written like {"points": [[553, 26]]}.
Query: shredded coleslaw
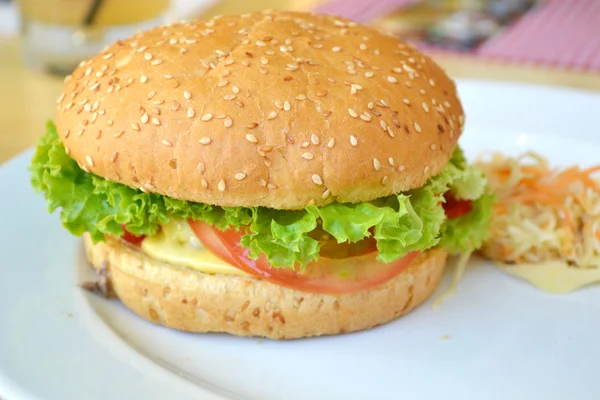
{"points": [[543, 213]]}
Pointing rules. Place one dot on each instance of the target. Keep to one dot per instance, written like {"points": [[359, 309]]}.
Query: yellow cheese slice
{"points": [[553, 276], [177, 244]]}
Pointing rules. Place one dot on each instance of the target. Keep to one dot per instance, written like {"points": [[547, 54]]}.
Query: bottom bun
{"points": [[188, 300]]}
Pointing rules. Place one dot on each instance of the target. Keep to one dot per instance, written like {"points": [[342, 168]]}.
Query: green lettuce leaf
{"points": [[401, 223], [467, 233]]}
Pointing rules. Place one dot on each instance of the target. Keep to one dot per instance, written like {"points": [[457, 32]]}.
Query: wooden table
{"points": [[27, 99]]}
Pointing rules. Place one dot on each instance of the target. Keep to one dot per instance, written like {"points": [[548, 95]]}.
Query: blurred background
{"points": [[551, 42]]}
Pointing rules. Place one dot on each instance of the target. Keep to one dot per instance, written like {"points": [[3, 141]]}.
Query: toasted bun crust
{"points": [[277, 109], [188, 300]]}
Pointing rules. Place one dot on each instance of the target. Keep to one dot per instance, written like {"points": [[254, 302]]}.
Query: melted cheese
{"points": [[554, 276], [177, 244]]}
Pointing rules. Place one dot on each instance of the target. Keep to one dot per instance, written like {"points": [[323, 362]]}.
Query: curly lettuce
{"points": [[410, 221]]}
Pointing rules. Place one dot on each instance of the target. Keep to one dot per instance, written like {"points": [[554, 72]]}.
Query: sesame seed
{"points": [[390, 132], [87, 107], [365, 117], [135, 126], [201, 167], [222, 83], [407, 102], [229, 97], [262, 182], [175, 105], [260, 43], [167, 143], [235, 89], [461, 119], [144, 118], [271, 186], [239, 176], [221, 186], [205, 140], [353, 140], [352, 113], [422, 91], [446, 104], [148, 56], [301, 97], [392, 79], [151, 94], [272, 115], [432, 82], [317, 179], [433, 146], [228, 122], [331, 143], [204, 183], [168, 76], [191, 113], [278, 104], [314, 139], [207, 117], [417, 127], [107, 56], [384, 180], [89, 160], [119, 134], [305, 144], [326, 194], [94, 86], [336, 49], [187, 95], [67, 151], [376, 164], [425, 107], [252, 125], [251, 138], [307, 156]]}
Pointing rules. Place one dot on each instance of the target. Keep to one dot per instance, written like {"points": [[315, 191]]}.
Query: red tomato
{"points": [[456, 208], [327, 275], [131, 238]]}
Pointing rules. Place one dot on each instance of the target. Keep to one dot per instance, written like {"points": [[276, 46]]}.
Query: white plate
{"points": [[506, 340]]}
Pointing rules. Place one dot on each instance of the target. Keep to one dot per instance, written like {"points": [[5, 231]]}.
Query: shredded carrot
{"points": [[531, 189]]}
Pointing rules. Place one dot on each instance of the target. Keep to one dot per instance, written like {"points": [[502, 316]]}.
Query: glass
{"points": [[58, 34]]}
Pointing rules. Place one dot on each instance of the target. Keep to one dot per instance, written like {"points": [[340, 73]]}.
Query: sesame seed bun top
{"points": [[276, 109]]}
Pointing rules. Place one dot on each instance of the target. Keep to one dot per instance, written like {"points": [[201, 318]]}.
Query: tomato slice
{"points": [[131, 238], [327, 275], [455, 208]]}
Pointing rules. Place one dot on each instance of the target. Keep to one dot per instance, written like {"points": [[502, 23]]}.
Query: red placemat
{"points": [[551, 33], [563, 33]]}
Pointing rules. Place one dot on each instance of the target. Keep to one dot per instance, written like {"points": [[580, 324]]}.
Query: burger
{"points": [[276, 174]]}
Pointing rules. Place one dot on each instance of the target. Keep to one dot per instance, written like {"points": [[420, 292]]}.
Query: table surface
{"points": [[27, 99]]}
